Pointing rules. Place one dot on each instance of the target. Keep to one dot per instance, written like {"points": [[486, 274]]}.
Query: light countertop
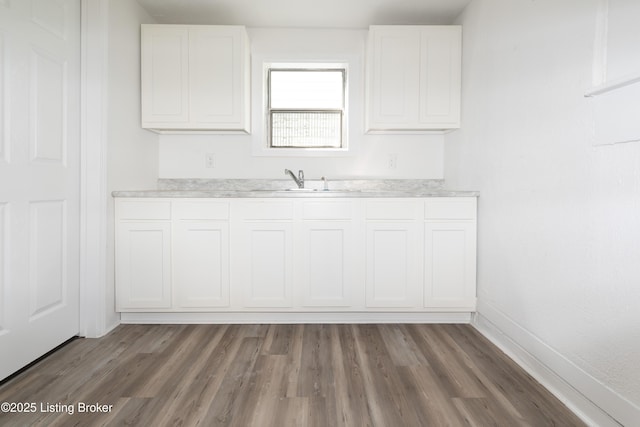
{"points": [[240, 188]]}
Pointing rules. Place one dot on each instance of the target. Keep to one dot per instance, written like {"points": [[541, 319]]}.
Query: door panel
{"points": [[39, 178], [4, 216], [47, 256], [3, 97]]}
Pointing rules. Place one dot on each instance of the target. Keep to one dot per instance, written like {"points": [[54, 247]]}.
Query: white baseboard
{"points": [[307, 317], [110, 327], [595, 403]]}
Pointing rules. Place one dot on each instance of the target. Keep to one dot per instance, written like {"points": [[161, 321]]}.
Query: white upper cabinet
{"points": [[413, 77], [195, 78]]}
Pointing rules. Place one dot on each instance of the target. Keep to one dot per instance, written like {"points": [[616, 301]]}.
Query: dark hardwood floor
{"points": [[282, 375]]}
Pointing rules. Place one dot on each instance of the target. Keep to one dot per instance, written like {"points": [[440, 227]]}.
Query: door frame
{"points": [[95, 317]]}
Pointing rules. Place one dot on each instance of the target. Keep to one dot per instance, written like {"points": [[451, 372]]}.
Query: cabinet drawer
{"points": [[266, 210], [200, 210], [327, 210], [142, 209], [408, 209], [450, 208]]}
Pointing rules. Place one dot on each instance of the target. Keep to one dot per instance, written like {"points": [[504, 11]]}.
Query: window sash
{"points": [[312, 128]]}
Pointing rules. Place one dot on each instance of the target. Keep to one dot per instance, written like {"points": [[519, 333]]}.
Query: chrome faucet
{"points": [[299, 180]]}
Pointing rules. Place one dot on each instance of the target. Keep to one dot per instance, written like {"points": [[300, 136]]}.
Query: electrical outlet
{"points": [[209, 161], [392, 161]]}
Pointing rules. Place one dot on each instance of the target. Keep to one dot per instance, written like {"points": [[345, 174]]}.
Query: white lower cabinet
{"points": [[297, 255], [393, 274], [450, 254], [143, 254], [263, 264], [325, 269], [200, 254], [450, 265], [327, 256], [201, 264], [143, 268], [262, 267], [393, 253]]}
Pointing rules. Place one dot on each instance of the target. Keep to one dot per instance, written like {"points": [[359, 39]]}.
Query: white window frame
{"points": [[340, 112], [261, 143]]}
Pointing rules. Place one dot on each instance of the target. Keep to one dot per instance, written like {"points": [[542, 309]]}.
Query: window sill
{"points": [[301, 152]]}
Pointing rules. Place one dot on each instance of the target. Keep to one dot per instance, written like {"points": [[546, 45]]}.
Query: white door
{"points": [[39, 178]]}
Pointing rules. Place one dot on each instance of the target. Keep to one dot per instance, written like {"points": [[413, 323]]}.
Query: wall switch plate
{"points": [[209, 161]]}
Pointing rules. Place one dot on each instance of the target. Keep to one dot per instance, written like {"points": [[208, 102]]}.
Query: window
{"points": [[306, 106]]}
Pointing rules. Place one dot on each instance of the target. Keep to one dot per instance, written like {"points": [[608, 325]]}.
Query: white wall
{"points": [[132, 152], [418, 156], [559, 211]]}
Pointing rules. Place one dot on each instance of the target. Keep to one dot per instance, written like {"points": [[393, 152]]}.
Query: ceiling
{"points": [[304, 13]]}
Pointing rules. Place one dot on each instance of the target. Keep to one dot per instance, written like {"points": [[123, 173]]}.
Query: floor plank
{"points": [[283, 375]]}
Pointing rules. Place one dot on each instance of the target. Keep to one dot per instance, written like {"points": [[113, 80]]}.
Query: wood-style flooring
{"points": [[283, 375]]}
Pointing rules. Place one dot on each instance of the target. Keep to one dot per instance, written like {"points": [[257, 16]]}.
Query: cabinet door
{"points": [[263, 264], [201, 264], [450, 265], [393, 77], [218, 78], [143, 265], [327, 264], [440, 76], [413, 78], [393, 264], [164, 74]]}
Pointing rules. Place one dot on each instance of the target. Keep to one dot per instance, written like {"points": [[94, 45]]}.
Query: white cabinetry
{"points": [[143, 254], [327, 257], [393, 253], [171, 255], [305, 257], [200, 254], [263, 253], [195, 78], [413, 78], [450, 253]]}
